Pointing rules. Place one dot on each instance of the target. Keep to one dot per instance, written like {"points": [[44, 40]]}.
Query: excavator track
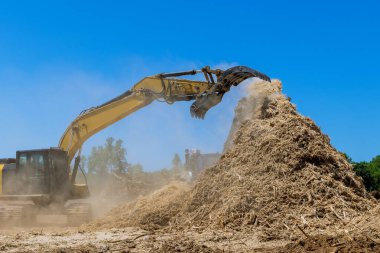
{"points": [[78, 213], [18, 214], [11, 215]]}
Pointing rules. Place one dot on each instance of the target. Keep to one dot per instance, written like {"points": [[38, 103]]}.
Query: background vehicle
{"points": [[196, 162]]}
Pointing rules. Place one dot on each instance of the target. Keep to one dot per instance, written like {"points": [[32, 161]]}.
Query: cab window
{"points": [[22, 160]]}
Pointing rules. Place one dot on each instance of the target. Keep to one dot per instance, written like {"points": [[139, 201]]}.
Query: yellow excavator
{"points": [[42, 181]]}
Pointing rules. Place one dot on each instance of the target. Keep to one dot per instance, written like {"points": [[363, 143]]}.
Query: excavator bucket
{"points": [[232, 76], [203, 103]]}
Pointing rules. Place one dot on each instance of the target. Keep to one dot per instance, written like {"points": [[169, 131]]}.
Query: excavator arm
{"points": [[165, 87]]}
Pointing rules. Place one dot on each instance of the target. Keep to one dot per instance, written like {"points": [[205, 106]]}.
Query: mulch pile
{"points": [[337, 244], [149, 212], [279, 176]]}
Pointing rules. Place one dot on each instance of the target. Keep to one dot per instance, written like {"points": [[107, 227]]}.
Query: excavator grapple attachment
{"points": [[225, 79], [236, 75]]}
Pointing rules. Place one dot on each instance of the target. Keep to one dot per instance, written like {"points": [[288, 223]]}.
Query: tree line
{"points": [[107, 171], [370, 172]]}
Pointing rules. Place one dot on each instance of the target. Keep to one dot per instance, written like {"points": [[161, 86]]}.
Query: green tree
{"points": [[83, 161], [176, 161], [376, 161], [135, 169], [362, 169], [176, 165], [109, 157], [370, 172], [348, 158]]}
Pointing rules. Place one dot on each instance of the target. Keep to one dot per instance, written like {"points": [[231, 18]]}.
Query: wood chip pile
{"points": [[279, 176]]}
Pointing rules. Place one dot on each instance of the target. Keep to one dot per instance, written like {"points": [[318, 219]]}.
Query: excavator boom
{"points": [[165, 87]]}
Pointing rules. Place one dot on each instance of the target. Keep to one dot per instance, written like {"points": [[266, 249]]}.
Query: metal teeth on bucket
{"points": [[236, 75]]}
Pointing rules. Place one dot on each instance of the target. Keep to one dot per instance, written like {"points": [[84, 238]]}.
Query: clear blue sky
{"points": [[60, 57]]}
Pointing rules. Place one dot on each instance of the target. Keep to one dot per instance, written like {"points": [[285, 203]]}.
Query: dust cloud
{"points": [[257, 93]]}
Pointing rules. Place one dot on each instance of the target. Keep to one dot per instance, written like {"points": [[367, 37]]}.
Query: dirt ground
{"points": [[130, 240]]}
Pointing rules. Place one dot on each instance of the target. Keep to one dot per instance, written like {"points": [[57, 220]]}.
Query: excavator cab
{"points": [[40, 175]]}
